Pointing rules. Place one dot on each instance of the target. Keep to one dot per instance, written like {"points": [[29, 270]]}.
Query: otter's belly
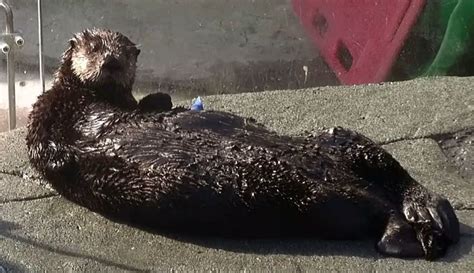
{"points": [[216, 173]]}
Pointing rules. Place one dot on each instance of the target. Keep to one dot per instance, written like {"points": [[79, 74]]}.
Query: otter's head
{"points": [[97, 58]]}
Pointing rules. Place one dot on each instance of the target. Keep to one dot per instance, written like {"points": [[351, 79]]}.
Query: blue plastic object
{"points": [[197, 104]]}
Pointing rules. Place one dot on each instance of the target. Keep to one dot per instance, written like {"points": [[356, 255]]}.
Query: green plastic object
{"points": [[458, 17], [458, 39], [441, 43]]}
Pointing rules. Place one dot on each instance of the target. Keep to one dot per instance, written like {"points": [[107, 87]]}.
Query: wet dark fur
{"points": [[216, 173]]}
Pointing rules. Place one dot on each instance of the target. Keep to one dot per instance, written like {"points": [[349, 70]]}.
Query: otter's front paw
{"points": [[435, 224], [61, 163], [157, 102]]}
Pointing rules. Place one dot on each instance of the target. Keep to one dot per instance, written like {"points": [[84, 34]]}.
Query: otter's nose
{"points": [[111, 63]]}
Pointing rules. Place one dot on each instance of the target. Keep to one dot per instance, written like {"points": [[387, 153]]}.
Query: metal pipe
{"points": [[11, 89], [8, 43], [9, 16], [40, 47]]}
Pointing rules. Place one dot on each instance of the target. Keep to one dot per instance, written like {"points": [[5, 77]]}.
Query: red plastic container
{"points": [[359, 39]]}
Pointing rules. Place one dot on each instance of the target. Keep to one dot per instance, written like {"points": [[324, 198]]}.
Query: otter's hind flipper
{"points": [[434, 222], [426, 229], [399, 239], [431, 217]]}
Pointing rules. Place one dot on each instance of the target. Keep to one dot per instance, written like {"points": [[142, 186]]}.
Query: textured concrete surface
{"points": [[40, 231], [384, 112]]}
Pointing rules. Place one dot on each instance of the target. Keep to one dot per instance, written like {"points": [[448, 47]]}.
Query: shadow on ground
{"points": [[308, 246], [6, 229], [271, 246]]}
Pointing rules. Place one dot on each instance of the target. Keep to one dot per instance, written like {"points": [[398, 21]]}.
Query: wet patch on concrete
{"points": [[459, 150]]}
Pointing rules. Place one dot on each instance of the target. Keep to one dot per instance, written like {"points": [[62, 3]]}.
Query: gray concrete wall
{"points": [[221, 42], [189, 47]]}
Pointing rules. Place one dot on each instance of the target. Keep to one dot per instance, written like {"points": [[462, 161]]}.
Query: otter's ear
{"points": [[68, 53], [137, 52], [73, 42]]}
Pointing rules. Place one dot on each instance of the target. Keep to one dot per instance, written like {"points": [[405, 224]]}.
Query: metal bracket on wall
{"points": [[9, 43]]}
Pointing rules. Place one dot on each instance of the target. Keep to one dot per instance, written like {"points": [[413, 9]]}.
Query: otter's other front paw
{"points": [[157, 102], [435, 224]]}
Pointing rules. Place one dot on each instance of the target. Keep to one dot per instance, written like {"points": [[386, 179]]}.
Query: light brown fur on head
{"points": [[97, 58]]}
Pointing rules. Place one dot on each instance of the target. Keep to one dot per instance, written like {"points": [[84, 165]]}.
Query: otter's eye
{"points": [[94, 47]]}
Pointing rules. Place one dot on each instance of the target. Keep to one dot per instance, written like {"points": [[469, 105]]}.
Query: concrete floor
{"points": [[40, 231]]}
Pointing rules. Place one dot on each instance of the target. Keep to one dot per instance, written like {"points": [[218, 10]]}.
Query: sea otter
{"points": [[211, 172]]}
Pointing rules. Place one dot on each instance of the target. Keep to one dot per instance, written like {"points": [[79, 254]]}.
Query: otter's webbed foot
{"points": [[156, 102], [435, 223], [399, 239], [425, 229]]}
